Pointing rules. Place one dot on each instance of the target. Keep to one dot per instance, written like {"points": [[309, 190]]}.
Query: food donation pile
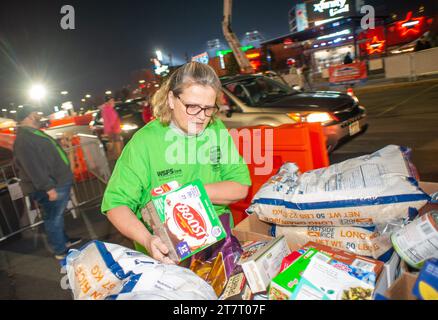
{"points": [[331, 230]]}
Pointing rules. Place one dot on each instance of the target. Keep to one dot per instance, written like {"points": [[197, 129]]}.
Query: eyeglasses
{"points": [[194, 109]]}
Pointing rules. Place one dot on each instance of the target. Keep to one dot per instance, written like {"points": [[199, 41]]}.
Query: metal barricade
{"points": [[91, 174]]}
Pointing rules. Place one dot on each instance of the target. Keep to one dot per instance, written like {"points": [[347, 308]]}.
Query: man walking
{"points": [[44, 170]]}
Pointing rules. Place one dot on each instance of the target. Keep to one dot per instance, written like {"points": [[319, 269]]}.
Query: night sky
{"points": [[114, 38]]}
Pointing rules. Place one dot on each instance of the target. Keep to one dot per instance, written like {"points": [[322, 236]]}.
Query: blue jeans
{"points": [[53, 216]]}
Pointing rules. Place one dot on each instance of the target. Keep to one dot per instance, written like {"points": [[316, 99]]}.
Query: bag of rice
{"points": [[107, 271], [361, 241], [369, 190]]}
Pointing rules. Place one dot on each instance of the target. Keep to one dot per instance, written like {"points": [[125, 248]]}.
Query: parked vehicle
{"points": [[251, 100]]}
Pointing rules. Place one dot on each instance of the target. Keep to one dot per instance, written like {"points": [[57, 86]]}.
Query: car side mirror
{"points": [[229, 113]]}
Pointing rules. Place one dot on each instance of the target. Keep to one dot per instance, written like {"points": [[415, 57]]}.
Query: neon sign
{"points": [[375, 46], [225, 52], [410, 25], [334, 7]]}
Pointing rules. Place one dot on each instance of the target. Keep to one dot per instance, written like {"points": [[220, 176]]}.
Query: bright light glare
{"points": [[319, 117], [37, 92], [128, 127]]}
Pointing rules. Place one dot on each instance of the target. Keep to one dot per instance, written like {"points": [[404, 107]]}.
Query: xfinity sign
{"points": [[333, 7]]}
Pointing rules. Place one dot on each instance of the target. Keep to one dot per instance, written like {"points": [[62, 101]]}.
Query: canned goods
{"points": [[418, 241]]}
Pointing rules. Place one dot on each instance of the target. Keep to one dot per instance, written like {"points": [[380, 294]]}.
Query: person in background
{"points": [[348, 59], [45, 175], [185, 108], [422, 44], [112, 128]]}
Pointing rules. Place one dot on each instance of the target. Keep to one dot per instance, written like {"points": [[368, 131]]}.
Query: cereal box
{"points": [[185, 220], [261, 266]]}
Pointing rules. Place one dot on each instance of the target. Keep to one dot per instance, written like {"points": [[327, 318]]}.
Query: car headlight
{"points": [[319, 117], [128, 127], [322, 117]]}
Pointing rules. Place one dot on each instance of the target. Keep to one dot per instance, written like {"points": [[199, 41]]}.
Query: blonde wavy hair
{"points": [[185, 76]]}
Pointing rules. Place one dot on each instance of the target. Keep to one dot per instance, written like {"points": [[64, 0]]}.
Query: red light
{"points": [[375, 45], [253, 55], [410, 25]]}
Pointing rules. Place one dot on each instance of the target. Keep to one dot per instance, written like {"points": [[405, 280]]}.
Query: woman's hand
{"points": [[157, 249], [127, 223]]}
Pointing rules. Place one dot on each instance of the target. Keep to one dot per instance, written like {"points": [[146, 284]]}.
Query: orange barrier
{"points": [[7, 140], [61, 122], [79, 166], [83, 120], [303, 144]]}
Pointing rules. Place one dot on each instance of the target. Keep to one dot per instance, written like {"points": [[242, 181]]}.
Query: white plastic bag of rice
{"points": [[365, 191], [108, 271], [361, 241]]}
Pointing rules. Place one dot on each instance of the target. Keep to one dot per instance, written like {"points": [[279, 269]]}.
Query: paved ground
{"points": [[28, 269], [403, 114]]}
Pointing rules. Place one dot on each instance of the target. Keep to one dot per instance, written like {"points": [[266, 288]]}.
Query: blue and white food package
{"points": [[371, 190], [108, 271]]}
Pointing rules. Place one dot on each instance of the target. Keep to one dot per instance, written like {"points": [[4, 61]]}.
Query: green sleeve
{"points": [[233, 166], [129, 180]]}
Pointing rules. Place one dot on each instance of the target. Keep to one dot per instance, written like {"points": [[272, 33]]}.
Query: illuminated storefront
{"points": [[327, 30]]}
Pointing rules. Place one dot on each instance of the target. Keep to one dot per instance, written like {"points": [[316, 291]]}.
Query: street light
{"points": [[88, 96], [37, 92], [83, 100], [64, 93], [108, 92], [159, 55]]}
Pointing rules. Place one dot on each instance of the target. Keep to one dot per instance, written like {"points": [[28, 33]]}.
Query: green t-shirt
{"points": [[159, 154]]}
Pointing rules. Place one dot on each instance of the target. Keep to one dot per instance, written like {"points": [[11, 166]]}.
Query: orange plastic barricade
{"points": [[7, 140], [265, 149], [61, 122], [77, 160], [83, 120]]}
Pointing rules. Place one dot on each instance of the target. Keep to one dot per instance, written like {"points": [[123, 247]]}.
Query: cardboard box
{"points": [[264, 265], [284, 285], [401, 289], [348, 258], [237, 288], [185, 220], [390, 272]]}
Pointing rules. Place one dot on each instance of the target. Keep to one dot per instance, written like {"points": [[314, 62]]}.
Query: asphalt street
{"points": [[404, 114]]}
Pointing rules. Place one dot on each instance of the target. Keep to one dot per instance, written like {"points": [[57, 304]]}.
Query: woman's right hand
{"points": [[158, 250]]}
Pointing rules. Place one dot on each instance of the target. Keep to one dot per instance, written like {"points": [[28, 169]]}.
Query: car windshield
{"points": [[127, 110], [257, 90]]}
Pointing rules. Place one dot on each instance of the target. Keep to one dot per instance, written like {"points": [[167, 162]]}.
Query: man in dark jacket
{"points": [[44, 170]]}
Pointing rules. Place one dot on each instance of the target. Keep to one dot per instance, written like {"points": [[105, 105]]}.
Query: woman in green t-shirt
{"points": [[185, 108]]}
